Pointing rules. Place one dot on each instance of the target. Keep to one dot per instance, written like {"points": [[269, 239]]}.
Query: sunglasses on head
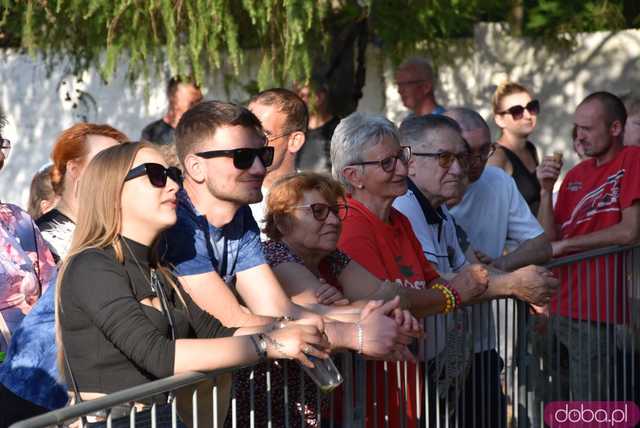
{"points": [[321, 211], [243, 158], [445, 159], [157, 174], [388, 164], [533, 107]]}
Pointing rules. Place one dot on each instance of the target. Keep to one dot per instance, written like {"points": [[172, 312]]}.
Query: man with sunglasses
{"points": [[416, 86], [284, 118], [440, 158], [598, 206]]}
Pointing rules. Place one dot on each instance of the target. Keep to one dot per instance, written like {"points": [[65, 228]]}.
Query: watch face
{"points": [[263, 345]]}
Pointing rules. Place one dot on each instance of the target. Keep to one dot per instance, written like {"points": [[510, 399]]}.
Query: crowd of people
{"points": [[246, 238]]}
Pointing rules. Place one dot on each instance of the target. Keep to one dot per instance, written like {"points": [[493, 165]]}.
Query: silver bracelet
{"points": [[360, 337]]}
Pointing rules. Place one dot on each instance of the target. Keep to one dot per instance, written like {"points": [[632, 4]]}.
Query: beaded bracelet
{"points": [[450, 300], [455, 293]]}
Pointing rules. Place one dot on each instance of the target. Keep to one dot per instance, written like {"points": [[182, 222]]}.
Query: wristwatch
{"points": [[260, 344]]}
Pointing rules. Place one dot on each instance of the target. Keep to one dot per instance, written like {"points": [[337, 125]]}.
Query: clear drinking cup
{"points": [[325, 373]]}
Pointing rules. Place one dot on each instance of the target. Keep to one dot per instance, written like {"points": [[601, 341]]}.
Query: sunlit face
{"points": [[413, 86], [144, 204], [306, 232], [186, 96], [376, 181], [518, 127], [479, 141], [226, 182], [592, 129], [632, 131], [429, 176], [274, 124]]}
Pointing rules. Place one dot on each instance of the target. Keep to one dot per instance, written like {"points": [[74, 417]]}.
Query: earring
{"points": [[360, 186]]}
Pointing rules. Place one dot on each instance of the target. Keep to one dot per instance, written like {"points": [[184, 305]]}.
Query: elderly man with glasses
{"points": [[416, 85]]}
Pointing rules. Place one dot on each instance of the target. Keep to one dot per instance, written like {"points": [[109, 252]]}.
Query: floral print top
{"points": [[26, 264]]}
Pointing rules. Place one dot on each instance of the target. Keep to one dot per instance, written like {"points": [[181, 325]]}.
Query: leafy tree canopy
{"points": [[195, 36]]}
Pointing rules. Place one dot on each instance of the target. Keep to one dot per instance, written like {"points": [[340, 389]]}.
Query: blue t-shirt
{"points": [[193, 246]]}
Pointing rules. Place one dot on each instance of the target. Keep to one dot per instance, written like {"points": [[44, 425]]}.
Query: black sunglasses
{"points": [[388, 164], [242, 158], [321, 211], [445, 159], [533, 107], [157, 174]]}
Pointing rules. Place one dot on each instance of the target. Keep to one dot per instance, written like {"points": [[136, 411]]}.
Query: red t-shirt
{"points": [[390, 252], [590, 199]]}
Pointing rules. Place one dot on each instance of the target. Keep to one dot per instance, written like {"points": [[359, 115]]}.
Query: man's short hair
{"points": [[174, 82], [421, 64], [468, 120], [201, 122], [287, 102], [612, 106], [417, 130], [631, 103]]}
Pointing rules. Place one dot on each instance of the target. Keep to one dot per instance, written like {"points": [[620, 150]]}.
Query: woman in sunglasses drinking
{"points": [[122, 317], [516, 114]]}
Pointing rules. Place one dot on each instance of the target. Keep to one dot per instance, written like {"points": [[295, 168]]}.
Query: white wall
{"points": [[37, 110]]}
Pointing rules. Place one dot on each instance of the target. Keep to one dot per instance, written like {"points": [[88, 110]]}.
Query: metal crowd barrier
{"points": [[541, 359]]}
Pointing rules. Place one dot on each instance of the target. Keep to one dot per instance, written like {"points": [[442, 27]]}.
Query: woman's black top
{"points": [[113, 341], [527, 181]]}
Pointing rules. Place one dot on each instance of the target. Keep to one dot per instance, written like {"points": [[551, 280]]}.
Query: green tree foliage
{"points": [[196, 36]]}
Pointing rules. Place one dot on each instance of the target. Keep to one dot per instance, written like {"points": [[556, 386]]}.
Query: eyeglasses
{"points": [[321, 211], [483, 153], [157, 174], [445, 159], [242, 158], [5, 146], [533, 107], [271, 138], [388, 164]]}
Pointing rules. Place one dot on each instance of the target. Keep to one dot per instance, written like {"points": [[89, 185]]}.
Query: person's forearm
{"points": [[618, 234], [213, 354], [500, 285], [341, 335], [346, 313], [536, 251], [421, 302], [546, 217]]}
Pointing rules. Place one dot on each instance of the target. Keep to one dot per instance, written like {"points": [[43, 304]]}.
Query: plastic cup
{"points": [[325, 373]]}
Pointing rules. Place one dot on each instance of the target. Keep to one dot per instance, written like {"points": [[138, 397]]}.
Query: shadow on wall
{"points": [[40, 105]]}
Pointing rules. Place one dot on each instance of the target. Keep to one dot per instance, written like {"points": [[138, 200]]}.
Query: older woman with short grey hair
{"points": [[368, 159]]}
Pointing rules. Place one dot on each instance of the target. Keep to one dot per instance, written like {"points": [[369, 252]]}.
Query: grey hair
{"points": [[355, 134], [419, 63], [416, 130], [469, 120]]}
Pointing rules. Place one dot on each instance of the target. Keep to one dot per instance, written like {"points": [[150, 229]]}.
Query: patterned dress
{"points": [[273, 382], [26, 268]]}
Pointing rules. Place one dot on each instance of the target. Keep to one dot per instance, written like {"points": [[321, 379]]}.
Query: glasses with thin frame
{"points": [[321, 211], [446, 159], [5, 146], [484, 153], [388, 164]]}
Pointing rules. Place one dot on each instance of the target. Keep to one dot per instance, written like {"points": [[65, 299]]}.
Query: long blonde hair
{"points": [[100, 216]]}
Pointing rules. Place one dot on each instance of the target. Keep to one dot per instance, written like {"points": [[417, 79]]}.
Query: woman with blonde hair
{"points": [[122, 318], [516, 114], [72, 152]]}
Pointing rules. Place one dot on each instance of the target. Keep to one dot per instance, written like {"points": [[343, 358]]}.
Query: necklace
{"points": [[156, 288]]}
